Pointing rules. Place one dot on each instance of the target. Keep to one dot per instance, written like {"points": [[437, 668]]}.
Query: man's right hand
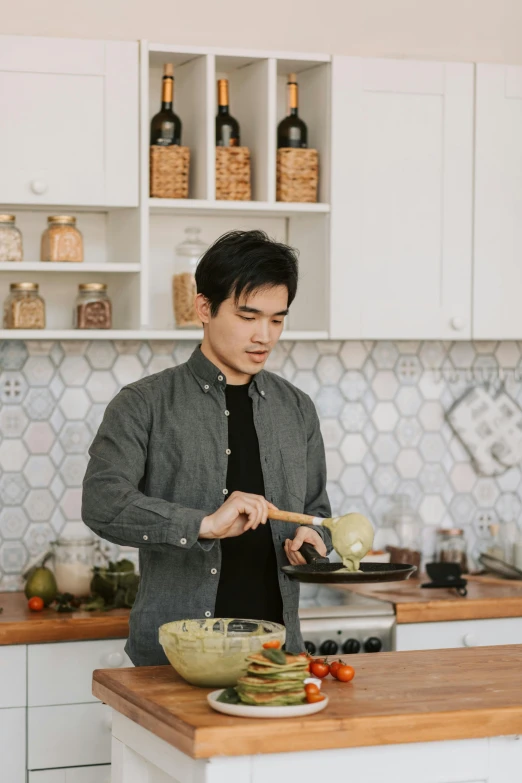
{"points": [[242, 511]]}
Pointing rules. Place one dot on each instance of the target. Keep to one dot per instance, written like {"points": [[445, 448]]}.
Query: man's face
{"points": [[242, 335]]}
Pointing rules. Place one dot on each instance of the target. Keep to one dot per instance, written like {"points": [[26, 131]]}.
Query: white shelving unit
{"points": [[133, 249]]}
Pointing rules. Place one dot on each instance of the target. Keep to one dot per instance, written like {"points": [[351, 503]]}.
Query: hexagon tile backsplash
{"points": [[382, 407]]}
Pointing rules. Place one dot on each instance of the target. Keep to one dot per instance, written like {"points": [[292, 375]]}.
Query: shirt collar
{"points": [[207, 374]]}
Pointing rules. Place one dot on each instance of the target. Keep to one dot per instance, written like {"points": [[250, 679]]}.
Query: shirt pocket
{"points": [[294, 471]]}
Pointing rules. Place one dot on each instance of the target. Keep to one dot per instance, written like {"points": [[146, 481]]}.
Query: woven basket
{"points": [[169, 171], [297, 174], [233, 174]]}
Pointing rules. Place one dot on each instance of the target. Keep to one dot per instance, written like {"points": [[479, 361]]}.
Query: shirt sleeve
{"points": [[112, 504], [317, 503]]}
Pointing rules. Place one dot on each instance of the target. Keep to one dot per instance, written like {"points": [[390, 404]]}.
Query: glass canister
{"points": [[92, 308], [184, 292], [407, 524], [24, 308], [11, 246], [74, 559], [61, 240], [451, 547]]}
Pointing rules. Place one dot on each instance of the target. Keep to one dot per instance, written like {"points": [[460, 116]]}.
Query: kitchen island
{"points": [[413, 717]]}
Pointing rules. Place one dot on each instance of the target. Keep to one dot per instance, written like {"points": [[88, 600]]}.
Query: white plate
{"points": [[249, 711]]}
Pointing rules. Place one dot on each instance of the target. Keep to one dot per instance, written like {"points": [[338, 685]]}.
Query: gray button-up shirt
{"points": [[159, 465]]}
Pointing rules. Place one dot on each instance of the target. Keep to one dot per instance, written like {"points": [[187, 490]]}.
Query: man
{"points": [[188, 462]]}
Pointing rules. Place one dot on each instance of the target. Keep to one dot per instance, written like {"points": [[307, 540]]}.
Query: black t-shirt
{"points": [[248, 583]]}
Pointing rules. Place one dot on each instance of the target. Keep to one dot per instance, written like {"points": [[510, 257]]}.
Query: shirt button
{"points": [[220, 377], [208, 614], [228, 451], [225, 491], [213, 571], [183, 541], [227, 413], [206, 387], [262, 393], [145, 538]]}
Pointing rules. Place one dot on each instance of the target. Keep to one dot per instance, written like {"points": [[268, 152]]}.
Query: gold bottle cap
{"points": [[7, 218], [223, 92], [168, 69], [61, 219], [24, 286], [92, 287]]}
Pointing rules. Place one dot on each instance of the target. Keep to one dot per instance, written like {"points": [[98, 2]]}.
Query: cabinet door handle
{"points": [[470, 640], [39, 186], [458, 324], [112, 660]]}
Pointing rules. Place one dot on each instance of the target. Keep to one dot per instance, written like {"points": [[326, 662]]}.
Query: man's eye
{"points": [[245, 318], [277, 322]]}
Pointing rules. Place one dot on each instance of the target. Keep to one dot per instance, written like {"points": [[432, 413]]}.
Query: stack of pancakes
{"points": [[268, 683]]}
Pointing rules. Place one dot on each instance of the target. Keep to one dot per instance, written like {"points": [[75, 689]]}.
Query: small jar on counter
{"points": [[61, 240], [93, 308], [451, 547], [11, 246], [24, 308]]}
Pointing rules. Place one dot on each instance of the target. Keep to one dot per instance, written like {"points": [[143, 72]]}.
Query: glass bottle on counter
{"points": [[165, 126], [292, 131], [184, 292], [24, 308], [61, 240], [11, 246], [227, 127], [92, 308], [74, 559], [408, 527], [451, 547]]}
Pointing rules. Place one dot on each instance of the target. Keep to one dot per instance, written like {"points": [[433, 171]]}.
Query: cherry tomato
{"points": [[319, 669], [311, 687], [273, 644], [312, 698], [35, 604], [334, 666], [345, 673]]}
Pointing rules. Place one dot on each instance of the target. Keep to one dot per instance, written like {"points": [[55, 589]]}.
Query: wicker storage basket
{"points": [[297, 174], [169, 171], [233, 174]]}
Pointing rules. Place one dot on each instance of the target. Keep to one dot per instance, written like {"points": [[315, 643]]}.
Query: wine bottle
{"points": [[165, 127], [292, 131], [227, 127]]}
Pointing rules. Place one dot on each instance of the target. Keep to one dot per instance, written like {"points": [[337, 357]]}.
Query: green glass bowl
{"points": [[212, 653]]}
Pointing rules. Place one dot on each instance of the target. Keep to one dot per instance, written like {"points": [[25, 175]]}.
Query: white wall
{"points": [[469, 30]]}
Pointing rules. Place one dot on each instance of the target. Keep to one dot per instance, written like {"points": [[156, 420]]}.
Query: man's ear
{"points": [[202, 306]]}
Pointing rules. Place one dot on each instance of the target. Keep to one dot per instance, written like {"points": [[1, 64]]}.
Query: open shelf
{"points": [[66, 266], [213, 207]]}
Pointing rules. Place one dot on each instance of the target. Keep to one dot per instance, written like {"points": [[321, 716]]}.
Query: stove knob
{"points": [[373, 645], [310, 648], [351, 646], [329, 647]]}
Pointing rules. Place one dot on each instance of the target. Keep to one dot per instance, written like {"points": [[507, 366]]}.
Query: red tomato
{"points": [[311, 687], [312, 698], [334, 666], [345, 673], [35, 604], [319, 669], [273, 644]]}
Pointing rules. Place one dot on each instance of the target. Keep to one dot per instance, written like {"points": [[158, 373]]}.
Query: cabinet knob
{"points": [[113, 660], [39, 186], [470, 640], [458, 324]]}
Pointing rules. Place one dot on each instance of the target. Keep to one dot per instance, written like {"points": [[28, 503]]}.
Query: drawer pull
{"points": [[112, 660], [39, 186], [470, 640]]}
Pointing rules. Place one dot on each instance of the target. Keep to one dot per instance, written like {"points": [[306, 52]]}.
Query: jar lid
{"points": [[61, 219], [75, 541], [92, 287], [24, 286], [450, 531], [7, 218]]}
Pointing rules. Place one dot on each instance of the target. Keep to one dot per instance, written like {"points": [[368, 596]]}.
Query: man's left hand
{"points": [[303, 534]]}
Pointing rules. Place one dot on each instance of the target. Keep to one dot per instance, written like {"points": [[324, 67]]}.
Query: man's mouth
{"points": [[258, 356]]}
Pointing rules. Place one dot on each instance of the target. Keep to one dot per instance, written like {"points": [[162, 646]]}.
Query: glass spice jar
{"points": [[451, 547], [184, 291], [24, 308], [92, 308], [61, 240], [11, 247]]}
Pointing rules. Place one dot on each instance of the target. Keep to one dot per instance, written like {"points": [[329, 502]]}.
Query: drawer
{"points": [[461, 633], [101, 774], [62, 673], [70, 735], [12, 745], [13, 675]]}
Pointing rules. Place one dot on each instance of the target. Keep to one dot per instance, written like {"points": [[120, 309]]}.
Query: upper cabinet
{"points": [[69, 131], [498, 204], [401, 199]]}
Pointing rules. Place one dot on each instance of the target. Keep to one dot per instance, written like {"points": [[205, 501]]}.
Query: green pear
{"points": [[41, 582]]}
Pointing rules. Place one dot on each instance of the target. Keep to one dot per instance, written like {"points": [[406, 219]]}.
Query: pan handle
{"points": [[311, 555]]}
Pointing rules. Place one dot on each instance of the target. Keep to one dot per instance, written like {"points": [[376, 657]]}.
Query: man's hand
{"points": [[303, 534], [242, 511]]}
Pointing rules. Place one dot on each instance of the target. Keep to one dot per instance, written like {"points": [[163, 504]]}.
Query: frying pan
{"points": [[500, 567], [319, 570]]}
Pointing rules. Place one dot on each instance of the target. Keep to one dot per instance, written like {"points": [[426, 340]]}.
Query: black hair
{"points": [[240, 262]]}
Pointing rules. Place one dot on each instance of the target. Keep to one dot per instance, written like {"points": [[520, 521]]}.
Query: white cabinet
{"points": [[401, 199], [97, 774], [13, 676], [69, 133], [498, 203], [12, 745], [460, 633]]}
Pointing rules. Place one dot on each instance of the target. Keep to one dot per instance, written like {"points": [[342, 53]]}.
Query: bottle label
{"points": [[167, 134]]}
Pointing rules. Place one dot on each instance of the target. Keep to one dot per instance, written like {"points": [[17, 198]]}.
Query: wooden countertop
{"points": [[488, 597], [395, 698], [18, 625]]}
